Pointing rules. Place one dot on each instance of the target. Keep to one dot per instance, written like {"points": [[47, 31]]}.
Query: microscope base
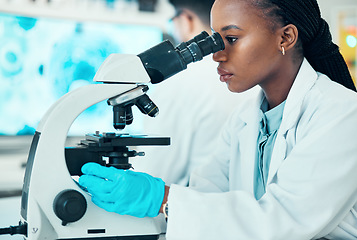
{"points": [[148, 237]]}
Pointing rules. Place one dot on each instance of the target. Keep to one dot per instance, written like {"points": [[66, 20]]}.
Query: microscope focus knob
{"points": [[69, 206]]}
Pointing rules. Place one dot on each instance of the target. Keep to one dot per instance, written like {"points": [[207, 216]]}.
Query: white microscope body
{"points": [[53, 205], [47, 175]]}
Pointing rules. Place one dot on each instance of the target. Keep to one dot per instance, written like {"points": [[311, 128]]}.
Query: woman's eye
{"points": [[231, 39]]}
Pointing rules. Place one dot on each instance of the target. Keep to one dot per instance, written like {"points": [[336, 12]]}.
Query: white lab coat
{"points": [[193, 105], [312, 182]]}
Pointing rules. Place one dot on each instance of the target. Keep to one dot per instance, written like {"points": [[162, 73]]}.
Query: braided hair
{"points": [[314, 35]]}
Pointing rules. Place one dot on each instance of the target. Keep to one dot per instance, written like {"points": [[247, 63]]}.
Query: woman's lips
{"points": [[224, 75]]}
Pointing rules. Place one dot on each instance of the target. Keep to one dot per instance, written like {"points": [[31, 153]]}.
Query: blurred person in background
{"points": [[193, 105]]}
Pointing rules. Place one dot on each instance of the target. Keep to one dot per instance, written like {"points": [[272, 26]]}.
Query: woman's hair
{"points": [[314, 35]]}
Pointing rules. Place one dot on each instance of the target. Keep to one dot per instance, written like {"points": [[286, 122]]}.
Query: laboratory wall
{"points": [[342, 17]]}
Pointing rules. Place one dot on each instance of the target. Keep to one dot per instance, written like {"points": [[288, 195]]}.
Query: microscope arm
{"points": [[46, 165]]}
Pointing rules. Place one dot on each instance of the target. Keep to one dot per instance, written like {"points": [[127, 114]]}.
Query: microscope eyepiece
{"points": [[197, 50], [164, 60], [211, 44], [196, 39]]}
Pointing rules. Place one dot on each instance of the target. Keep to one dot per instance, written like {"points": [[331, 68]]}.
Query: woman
{"points": [[286, 166]]}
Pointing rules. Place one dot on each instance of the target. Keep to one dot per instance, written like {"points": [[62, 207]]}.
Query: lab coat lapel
{"points": [[248, 145], [304, 81]]}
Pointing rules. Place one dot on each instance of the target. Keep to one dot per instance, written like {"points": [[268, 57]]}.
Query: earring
{"points": [[283, 51]]}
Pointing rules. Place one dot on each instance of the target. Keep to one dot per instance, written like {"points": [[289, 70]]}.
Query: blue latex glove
{"points": [[123, 191]]}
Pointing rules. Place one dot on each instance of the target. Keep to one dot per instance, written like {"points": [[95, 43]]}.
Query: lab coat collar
{"points": [[251, 117], [304, 81]]}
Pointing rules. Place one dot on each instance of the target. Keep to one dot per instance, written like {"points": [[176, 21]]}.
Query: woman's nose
{"points": [[219, 56]]}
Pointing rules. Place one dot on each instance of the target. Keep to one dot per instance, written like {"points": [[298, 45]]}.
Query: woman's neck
{"points": [[276, 89]]}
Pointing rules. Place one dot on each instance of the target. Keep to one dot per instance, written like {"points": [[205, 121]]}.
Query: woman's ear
{"points": [[289, 37], [188, 20]]}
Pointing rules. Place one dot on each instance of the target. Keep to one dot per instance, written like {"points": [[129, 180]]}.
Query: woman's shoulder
{"points": [[328, 101], [332, 93]]}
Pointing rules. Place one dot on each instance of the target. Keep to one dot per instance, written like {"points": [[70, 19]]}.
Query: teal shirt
{"points": [[269, 124]]}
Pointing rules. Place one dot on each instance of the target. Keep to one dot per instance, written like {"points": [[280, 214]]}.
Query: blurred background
{"points": [[342, 18], [49, 47]]}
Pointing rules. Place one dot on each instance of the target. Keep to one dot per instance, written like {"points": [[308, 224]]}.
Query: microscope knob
{"points": [[69, 206]]}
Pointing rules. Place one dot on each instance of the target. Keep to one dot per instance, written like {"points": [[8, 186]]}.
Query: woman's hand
{"points": [[123, 191]]}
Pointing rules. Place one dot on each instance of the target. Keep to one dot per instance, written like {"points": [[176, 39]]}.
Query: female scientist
{"points": [[286, 166]]}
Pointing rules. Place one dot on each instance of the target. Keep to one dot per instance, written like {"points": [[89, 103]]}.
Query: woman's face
{"points": [[252, 53]]}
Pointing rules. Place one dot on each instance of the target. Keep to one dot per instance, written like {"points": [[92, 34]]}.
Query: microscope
{"points": [[53, 205]]}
